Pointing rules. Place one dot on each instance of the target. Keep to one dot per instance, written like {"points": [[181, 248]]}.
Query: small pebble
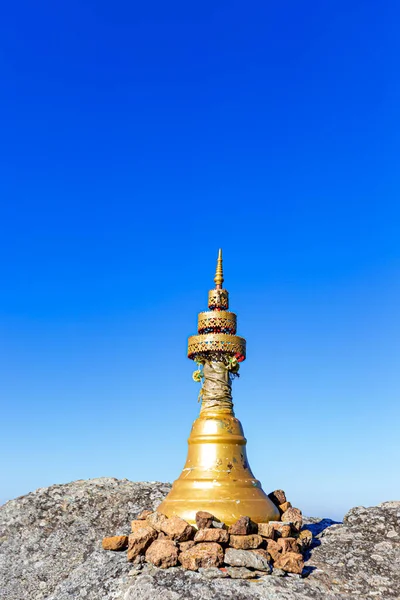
{"points": [[212, 573], [240, 573], [278, 573]]}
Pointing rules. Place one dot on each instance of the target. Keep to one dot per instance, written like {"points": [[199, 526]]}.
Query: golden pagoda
{"points": [[217, 477]]}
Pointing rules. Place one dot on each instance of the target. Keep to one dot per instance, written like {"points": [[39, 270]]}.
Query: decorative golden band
{"points": [[216, 343], [218, 299], [222, 320]]}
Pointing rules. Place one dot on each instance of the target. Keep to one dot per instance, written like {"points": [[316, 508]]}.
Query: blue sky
{"points": [[137, 139]]}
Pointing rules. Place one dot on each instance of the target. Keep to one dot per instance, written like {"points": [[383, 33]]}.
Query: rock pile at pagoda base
{"points": [[245, 550]]}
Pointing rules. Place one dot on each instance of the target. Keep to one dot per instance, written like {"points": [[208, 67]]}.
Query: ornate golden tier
{"points": [[218, 300], [222, 343], [217, 477], [212, 319]]}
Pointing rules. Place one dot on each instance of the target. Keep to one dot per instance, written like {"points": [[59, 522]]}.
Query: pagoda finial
{"points": [[219, 275]]}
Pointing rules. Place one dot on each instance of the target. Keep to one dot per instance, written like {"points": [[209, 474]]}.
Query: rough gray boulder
{"points": [[361, 557], [50, 549], [51, 538]]}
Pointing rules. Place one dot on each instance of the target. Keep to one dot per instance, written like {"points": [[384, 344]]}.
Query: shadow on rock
{"points": [[320, 526], [316, 529]]}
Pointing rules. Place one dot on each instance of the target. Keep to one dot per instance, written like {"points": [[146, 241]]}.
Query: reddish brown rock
{"points": [[116, 542], [138, 524], [156, 520], [144, 514], [281, 528], [283, 507], [294, 516], [174, 527], [163, 554], [212, 535], [245, 542], [204, 519], [288, 544], [266, 530], [278, 497], [243, 526], [140, 540], [205, 555], [306, 534], [291, 562], [304, 540], [273, 549], [178, 529], [183, 546]]}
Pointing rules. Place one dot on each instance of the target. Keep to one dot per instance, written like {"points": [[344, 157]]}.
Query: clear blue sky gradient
{"points": [[138, 138]]}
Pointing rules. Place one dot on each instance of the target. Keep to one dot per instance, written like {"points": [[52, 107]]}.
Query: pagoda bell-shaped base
{"points": [[217, 477]]}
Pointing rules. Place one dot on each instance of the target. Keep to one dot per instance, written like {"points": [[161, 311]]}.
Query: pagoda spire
{"points": [[219, 275]]}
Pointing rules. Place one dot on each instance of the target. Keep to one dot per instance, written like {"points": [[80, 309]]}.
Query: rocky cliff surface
{"points": [[50, 549]]}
